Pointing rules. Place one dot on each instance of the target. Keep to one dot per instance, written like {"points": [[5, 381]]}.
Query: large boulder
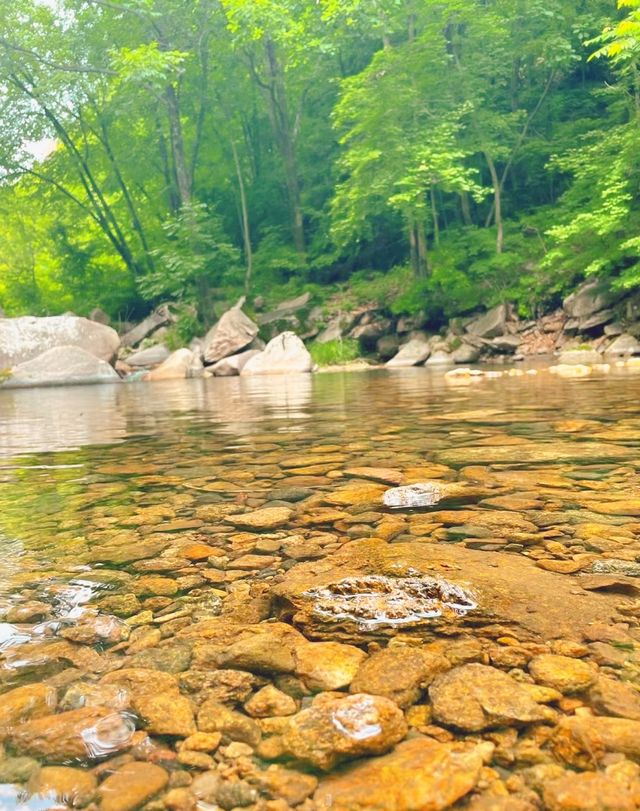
{"points": [[234, 364], [61, 366], [285, 354], [22, 339], [285, 309], [178, 366], [624, 345], [146, 358], [491, 324], [230, 335], [588, 299], [413, 353]]}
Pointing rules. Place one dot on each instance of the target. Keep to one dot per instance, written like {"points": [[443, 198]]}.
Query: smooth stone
{"points": [[413, 353], [74, 787], [266, 518], [61, 366], [234, 364], [579, 357], [17, 769], [327, 665], [561, 451], [284, 354], [562, 672], [623, 345], [131, 785], [181, 364], [395, 673], [152, 356], [87, 733], [474, 697], [23, 339], [286, 784], [618, 698], [340, 728], [24, 703], [419, 775], [166, 714], [590, 298]]}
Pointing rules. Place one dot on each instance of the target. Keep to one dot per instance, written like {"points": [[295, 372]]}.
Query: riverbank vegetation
{"points": [[432, 156]]}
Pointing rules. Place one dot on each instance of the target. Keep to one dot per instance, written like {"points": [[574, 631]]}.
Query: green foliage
{"points": [[335, 353]]}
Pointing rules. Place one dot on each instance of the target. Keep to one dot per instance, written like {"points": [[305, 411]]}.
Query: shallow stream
{"points": [[163, 640]]}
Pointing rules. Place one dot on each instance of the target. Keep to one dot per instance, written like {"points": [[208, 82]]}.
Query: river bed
{"points": [[204, 602]]}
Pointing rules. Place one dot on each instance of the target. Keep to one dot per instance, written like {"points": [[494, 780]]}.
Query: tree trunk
{"points": [[244, 219], [285, 139], [434, 215], [182, 175], [465, 207], [497, 202]]}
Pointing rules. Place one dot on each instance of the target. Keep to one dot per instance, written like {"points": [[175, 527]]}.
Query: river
{"points": [[198, 602]]}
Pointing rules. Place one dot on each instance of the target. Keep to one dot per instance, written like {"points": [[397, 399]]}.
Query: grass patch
{"points": [[334, 353]]}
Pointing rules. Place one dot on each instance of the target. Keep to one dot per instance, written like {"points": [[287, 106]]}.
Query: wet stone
{"points": [[564, 673], [72, 786], [342, 728], [396, 673], [590, 791], [419, 774], [131, 785], [17, 769], [474, 697], [327, 665]]}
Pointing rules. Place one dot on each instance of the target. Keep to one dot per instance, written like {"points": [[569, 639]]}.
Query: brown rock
{"points": [[419, 775], [341, 728], [589, 791], [613, 697], [266, 518], [562, 672], [166, 713], [74, 787], [582, 740], [270, 701], [396, 673], [215, 717], [90, 732], [474, 697], [131, 785], [23, 703], [291, 786], [327, 665]]}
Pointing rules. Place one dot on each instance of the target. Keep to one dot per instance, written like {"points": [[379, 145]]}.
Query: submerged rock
{"points": [[419, 775], [131, 785], [396, 673], [475, 697], [375, 601], [563, 673], [84, 734], [336, 729]]}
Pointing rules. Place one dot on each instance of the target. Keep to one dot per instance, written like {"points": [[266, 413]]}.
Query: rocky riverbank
{"points": [[594, 325]]}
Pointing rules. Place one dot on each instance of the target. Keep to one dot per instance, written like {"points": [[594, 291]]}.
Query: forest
{"points": [[437, 155]]}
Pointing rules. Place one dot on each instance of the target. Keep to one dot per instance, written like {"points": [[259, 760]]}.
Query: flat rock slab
{"points": [[537, 452], [508, 589]]}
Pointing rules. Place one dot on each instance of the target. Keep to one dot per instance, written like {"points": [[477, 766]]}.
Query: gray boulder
{"points": [[284, 354], [99, 316], [158, 318], [413, 353], [285, 309], [440, 358], [466, 353], [596, 320], [588, 299], [387, 346], [146, 358], [234, 364], [231, 334], [506, 344], [624, 345], [491, 324], [179, 365], [61, 366], [22, 339]]}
